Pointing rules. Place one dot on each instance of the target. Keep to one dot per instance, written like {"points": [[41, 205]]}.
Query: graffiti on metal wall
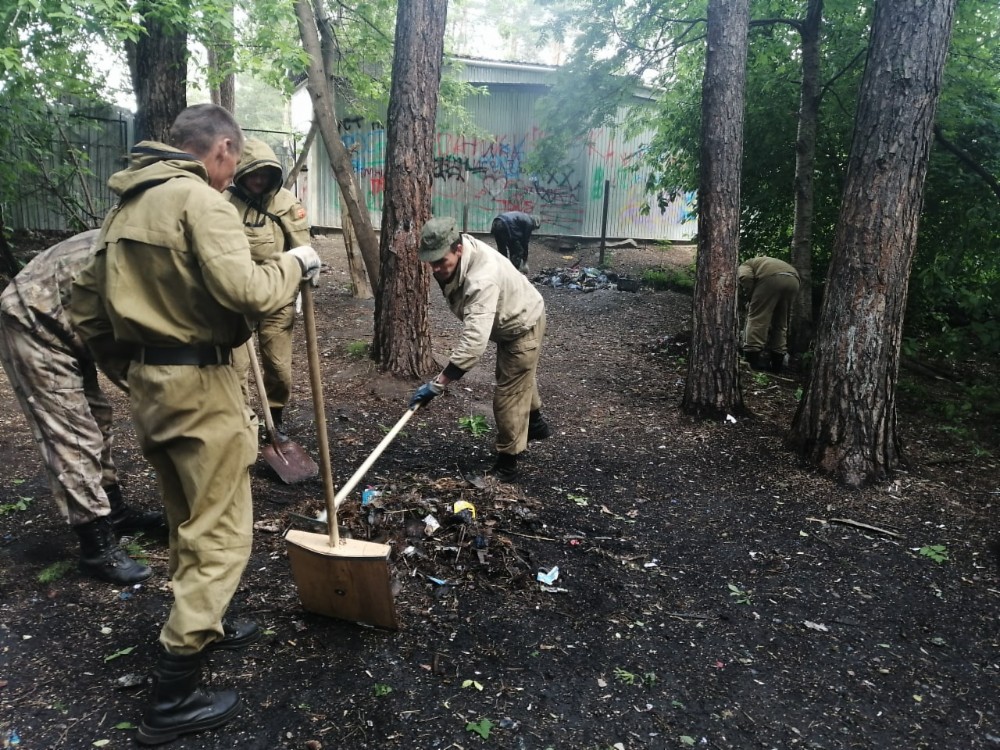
{"points": [[480, 177]]}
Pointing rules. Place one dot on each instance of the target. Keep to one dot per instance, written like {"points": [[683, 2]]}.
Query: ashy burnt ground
{"points": [[711, 591]]}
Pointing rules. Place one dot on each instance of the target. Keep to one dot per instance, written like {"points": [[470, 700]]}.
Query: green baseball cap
{"points": [[437, 237]]}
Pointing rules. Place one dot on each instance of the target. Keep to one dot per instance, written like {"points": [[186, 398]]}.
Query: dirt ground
{"points": [[711, 590]]}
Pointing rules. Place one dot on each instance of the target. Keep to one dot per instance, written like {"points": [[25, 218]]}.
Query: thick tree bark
{"points": [[801, 333], [846, 422], [340, 160], [402, 343], [158, 65], [712, 387]]}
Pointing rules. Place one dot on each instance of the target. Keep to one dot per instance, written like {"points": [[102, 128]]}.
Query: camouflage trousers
{"points": [[274, 339], [68, 413], [516, 395]]}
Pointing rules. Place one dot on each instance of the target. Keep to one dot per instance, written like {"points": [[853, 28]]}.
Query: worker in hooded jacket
{"points": [[274, 221], [165, 299]]}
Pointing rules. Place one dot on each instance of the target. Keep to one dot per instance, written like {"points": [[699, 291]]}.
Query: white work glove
{"points": [[310, 262]]}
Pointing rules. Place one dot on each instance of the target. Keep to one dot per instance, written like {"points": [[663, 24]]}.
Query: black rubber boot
{"points": [[238, 635], [505, 468], [538, 428], [279, 429], [179, 705], [128, 520], [102, 558]]}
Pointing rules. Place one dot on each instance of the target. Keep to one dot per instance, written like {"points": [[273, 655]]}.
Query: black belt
{"points": [[199, 356]]}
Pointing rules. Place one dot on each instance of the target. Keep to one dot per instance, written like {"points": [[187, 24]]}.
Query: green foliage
{"points": [[382, 690], [936, 552], [481, 727], [136, 550], [739, 595], [120, 653], [474, 423], [625, 677], [678, 279], [55, 571], [21, 504], [358, 349]]}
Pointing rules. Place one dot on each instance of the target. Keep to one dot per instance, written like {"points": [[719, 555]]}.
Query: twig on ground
{"points": [[867, 527]]}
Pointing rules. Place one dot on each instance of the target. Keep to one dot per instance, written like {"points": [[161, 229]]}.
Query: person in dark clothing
{"points": [[512, 232]]}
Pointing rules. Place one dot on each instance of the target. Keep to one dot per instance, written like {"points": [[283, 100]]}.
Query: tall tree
{"points": [[713, 382], [805, 165], [846, 421], [157, 60], [402, 343], [340, 161], [222, 56]]}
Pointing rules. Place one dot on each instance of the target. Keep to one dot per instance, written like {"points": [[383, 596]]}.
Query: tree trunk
{"points": [[361, 289], [402, 343], [846, 421], [712, 387], [300, 160], [801, 333], [221, 77], [340, 160], [158, 65]]}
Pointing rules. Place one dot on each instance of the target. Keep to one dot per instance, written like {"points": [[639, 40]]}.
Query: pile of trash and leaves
{"points": [[443, 529], [587, 279]]}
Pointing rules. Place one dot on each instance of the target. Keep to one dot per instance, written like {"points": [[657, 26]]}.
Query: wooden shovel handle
{"points": [[356, 476], [258, 379], [316, 381]]}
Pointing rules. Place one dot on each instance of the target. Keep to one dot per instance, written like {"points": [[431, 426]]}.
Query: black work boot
{"points": [[538, 428], [128, 520], [238, 635], [279, 430], [102, 558], [777, 362], [179, 705], [757, 360], [505, 468]]}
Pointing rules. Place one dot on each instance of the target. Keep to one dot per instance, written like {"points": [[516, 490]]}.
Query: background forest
{"points": [[805, 62]]}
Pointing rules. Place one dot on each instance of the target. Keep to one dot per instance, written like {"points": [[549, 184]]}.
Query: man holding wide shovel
{"points": [[274, 221]]}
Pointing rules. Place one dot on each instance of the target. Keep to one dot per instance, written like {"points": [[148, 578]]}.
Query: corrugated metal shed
{"points": [[479, 176]]}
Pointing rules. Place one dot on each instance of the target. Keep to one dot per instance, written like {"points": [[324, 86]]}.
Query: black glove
{"points": [[425, 393]]}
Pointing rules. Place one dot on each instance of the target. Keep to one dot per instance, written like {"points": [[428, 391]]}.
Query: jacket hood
{"points": [[152, 163], [258, 155]]}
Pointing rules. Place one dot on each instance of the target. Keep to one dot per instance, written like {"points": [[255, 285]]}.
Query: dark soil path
{"points": [[711, 591]]}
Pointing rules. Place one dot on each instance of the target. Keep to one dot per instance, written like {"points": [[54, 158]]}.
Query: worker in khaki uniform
{"points": [[166, 298], [274, 221], [770, 286], [497, 303], [55, 380]]}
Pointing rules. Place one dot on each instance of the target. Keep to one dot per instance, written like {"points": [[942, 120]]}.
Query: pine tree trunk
{"points": [[402, 343], [801, 333], [712, 387], [158, 65], [846, 422]]}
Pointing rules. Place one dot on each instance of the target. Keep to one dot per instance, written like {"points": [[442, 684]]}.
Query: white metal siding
{"points": [[479, 176]]}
